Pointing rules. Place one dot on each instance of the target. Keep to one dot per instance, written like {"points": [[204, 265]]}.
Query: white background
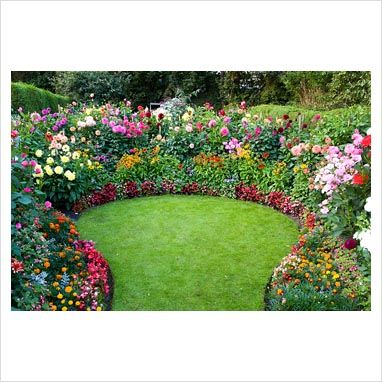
{"points": [[188, 346]]}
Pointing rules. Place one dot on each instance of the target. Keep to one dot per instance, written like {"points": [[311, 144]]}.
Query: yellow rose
{"points": [[70, 175], [48, 170], [58, 170], [64, 159]]}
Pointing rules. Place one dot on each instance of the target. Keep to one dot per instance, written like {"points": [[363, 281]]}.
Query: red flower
{"points": [[221, 113], [265, 155], [304, 125], [140, 107], [261, 166], [48, 136], [280, 130], [160, 116], [360, 179], [148, 114], [285, 117], [350, 244], [366, 141], [17, 266]]}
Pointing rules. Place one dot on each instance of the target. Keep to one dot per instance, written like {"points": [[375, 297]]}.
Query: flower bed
{"points": [[316, 170]]}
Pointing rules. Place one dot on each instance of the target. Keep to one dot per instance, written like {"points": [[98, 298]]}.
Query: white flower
{"points": [[368, 205], [76, 155], [368, 132], [189, 128], [158, 137], [65, 148], [176, 128], [38, 153], [365, 239], [81, 124], [89, 121], [191, 146]]}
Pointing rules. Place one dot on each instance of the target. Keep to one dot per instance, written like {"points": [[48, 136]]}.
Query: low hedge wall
{"points": [[32, 98]]}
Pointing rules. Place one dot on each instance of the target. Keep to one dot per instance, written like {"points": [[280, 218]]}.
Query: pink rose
{"points": [[316, 149]]}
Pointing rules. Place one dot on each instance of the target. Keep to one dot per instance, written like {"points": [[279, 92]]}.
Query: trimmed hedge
{"points": [[32, 98]]}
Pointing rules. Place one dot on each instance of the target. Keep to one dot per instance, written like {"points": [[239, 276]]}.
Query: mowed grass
{"points": [[189, 252]]}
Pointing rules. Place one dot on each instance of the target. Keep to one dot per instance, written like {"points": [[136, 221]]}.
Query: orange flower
{"points": [[47, 264], [280, 292]]}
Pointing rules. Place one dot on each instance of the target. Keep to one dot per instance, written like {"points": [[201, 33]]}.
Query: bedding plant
{"points": [[316, 169]]}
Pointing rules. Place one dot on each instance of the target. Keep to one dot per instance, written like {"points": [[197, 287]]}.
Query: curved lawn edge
{"points": [[216, 201]]}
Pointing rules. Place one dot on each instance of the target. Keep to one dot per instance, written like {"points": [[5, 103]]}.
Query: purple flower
{"points": [[55, 128], [104, 120], [18, 225]]}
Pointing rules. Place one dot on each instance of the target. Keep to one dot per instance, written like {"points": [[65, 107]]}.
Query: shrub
{"points": [[30, 98]]}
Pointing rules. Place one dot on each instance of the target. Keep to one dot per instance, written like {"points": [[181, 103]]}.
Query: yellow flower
{"points": [[65, 159], [70, 302], [68, 289], [337, 284], [54, 307], [70, 175], [77, 303], [59, 296], [50, 160], [99, 308], [38, 153], [64, 308], [58, 170], [76, 155], [48, 170], [295, 170], [63, 301]]}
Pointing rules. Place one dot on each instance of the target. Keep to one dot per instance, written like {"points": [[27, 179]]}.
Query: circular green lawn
{"points": [[189, 252]]}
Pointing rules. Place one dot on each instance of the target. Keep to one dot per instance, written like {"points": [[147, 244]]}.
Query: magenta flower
{"points": [[224, 132], [48, 205], [32, 163], [27, 189], [24, 163], [18, 225]]}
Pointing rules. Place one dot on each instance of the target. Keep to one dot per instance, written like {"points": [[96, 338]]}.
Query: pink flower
{"points": [[258, 131], [224, 132], [32, 163], [296, 151], [317, 117], [357, 137], [27, 189], [14, 133], [316, 149], [282, 140], [104, 120], [212, 123], [227, 120], [24, 163], [18, 225], [328, 140], [48, 205], [324, 210]]}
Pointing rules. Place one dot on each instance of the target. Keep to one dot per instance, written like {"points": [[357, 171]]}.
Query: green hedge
{"points": [[32, 98]]}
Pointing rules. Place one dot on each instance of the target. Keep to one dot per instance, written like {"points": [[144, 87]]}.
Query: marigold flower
{"points": [[68, 289], [60, 296]]}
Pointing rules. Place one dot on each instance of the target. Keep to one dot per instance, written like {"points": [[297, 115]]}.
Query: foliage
{"points": [[31, 98]]}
